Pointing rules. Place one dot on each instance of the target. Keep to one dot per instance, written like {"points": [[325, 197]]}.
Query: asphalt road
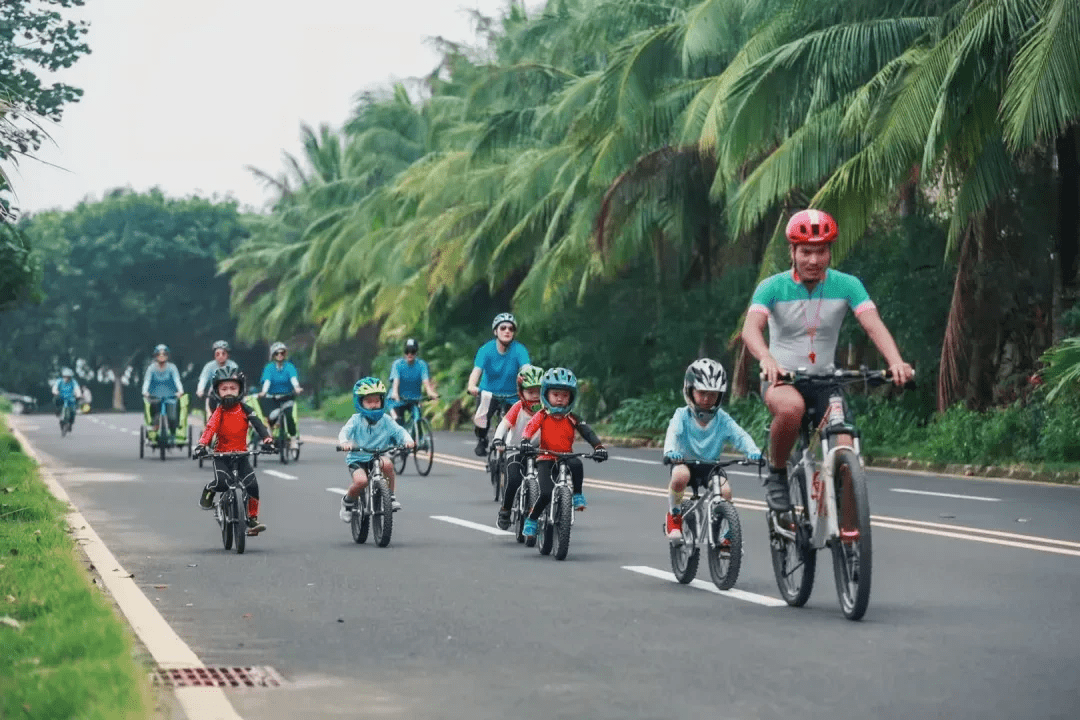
{"points": [[973, 612]]}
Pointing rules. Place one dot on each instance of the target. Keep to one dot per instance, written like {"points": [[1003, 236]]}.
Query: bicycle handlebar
{"points": [[371, 451], [280, 396], [238, 453], [561, 455], [721, 463], [875, 377]]}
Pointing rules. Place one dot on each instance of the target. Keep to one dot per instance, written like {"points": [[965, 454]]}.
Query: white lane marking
{"points": [[166, 647], [472, 525], [637, 460], [948, 495], [339, 491], [709, 587], [134, 432], [283, 476], [994, 541]]}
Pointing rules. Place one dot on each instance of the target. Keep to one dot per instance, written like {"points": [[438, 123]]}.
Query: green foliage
{"points": [[72, 656], [646, 415], [35, 41], [119, 276], [18, 272], [338, 408], [1062, 366], [5, 405]]}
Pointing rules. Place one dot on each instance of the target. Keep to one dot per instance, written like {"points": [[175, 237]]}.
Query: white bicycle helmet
{"points": [[504, 317], [709, 376], [277, 346]]}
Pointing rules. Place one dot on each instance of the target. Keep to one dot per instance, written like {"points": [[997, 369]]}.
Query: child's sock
{"points": [[675, 500]]}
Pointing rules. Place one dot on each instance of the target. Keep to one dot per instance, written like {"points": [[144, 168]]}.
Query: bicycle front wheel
{"points": [[495, 470], [852, 551], [424, 455], [283, 444], [239, 523], [401, 457], [564, 515], [794, 561], [225, 510], [685, 554], [725, 548], [382, 515], [531, 494], [360, 520]]}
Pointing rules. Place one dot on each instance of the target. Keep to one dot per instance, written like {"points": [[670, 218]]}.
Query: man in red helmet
{"points": [[804, 308]]}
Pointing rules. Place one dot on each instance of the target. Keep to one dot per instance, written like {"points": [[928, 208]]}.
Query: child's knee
{"points": [[680, 476], [359, 478], [387, 466]]}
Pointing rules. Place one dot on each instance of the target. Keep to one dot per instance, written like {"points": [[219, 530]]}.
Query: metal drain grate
{"points": [[234, 677]]}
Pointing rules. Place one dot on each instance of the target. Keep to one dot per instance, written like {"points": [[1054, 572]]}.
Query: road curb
{"points": [[162, 642]]}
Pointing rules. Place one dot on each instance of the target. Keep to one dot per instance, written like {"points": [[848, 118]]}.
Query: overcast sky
{"points": [[183, 94]]}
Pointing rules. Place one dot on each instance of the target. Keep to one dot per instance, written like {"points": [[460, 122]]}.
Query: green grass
{"points": [[71, 657]]}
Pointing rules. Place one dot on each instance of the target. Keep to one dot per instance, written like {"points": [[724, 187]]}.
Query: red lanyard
{"points": [[811, 330]]}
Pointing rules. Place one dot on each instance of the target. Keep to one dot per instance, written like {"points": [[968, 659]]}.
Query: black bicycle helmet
{"points": [[223, 374], [412, 346]]}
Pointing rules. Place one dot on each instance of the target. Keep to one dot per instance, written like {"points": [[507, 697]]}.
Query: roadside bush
{"points": [[646, 415], [337, 407]]}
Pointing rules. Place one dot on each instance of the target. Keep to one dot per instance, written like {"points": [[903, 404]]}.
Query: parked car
{"points": [[20, 404]]}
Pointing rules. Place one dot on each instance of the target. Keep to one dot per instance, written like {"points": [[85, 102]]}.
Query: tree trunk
{"points": [[953, 348], [1067, 245], [909, 193], [740, 380], [118, 391]]}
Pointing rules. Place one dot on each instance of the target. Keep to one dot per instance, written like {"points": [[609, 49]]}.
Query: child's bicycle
{"points": [[710, 518], [420, 429], [230, 505], [525, 497], [553, 527], [67, 416], [373, 506], [496, 461], [834, 511]]}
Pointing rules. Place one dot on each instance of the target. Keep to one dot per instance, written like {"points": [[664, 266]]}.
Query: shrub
{"points": [[646, 415]]}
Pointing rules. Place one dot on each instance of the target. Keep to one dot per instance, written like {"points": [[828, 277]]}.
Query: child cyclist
{"points": [[697, 433], [513, 426], [371, 427], [557, 424], [229, 422]]}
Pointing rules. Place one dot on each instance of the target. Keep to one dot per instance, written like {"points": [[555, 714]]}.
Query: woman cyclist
{"points": [[279, 378]]}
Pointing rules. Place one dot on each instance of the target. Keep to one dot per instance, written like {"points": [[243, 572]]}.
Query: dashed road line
{"points": [[947, 495], [709, 587], [471, 525], [283, 476]]}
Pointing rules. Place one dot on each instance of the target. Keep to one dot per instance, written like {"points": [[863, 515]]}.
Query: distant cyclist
{"points": [[279, 377], [221, 360], [162, 382], [66, 391], [494, 375], [408, 376]]}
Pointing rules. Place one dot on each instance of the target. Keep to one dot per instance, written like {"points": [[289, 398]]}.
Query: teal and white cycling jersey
{"points": [[804, 326]]}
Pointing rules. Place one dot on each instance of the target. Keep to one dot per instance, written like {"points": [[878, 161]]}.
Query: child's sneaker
{"points": [[206, 500], [530, 528], [254, 526], [394, 504], [579, 501], [346, 509], [674, 527]]}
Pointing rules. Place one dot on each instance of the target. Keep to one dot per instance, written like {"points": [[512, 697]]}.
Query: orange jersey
{"points": [[231, 428], [557, 432]]}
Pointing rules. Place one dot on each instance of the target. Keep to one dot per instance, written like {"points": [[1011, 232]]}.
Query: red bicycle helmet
{"points": [[812, 227]]}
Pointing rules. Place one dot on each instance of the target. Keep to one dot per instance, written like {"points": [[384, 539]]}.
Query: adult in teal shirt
{"points": [[279, 377], [494, 376]]}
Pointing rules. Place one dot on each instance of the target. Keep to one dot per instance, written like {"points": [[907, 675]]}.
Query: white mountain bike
{"points": [[832, 509]]}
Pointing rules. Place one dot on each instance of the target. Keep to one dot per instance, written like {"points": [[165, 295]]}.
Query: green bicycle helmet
{"points": [[558, 379], [529, 376], [369, 386]]}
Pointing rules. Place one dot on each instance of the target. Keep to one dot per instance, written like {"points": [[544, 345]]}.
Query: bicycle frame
{"points": [[703, 503]]}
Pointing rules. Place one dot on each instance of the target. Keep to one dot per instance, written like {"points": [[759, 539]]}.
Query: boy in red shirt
{"points": [[230, 422], [557, 425]]}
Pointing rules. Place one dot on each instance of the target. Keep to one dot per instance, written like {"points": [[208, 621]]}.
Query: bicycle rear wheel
{"points": [[142, 443], [852, 551], [495, 471], [424, 455], [794, 561], [685, 555], [382, 515], [725, 562], [163, 433], [239, 523]]}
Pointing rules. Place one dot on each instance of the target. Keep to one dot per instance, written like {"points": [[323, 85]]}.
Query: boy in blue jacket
{"points": [[698, 433], [369, 428]]}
